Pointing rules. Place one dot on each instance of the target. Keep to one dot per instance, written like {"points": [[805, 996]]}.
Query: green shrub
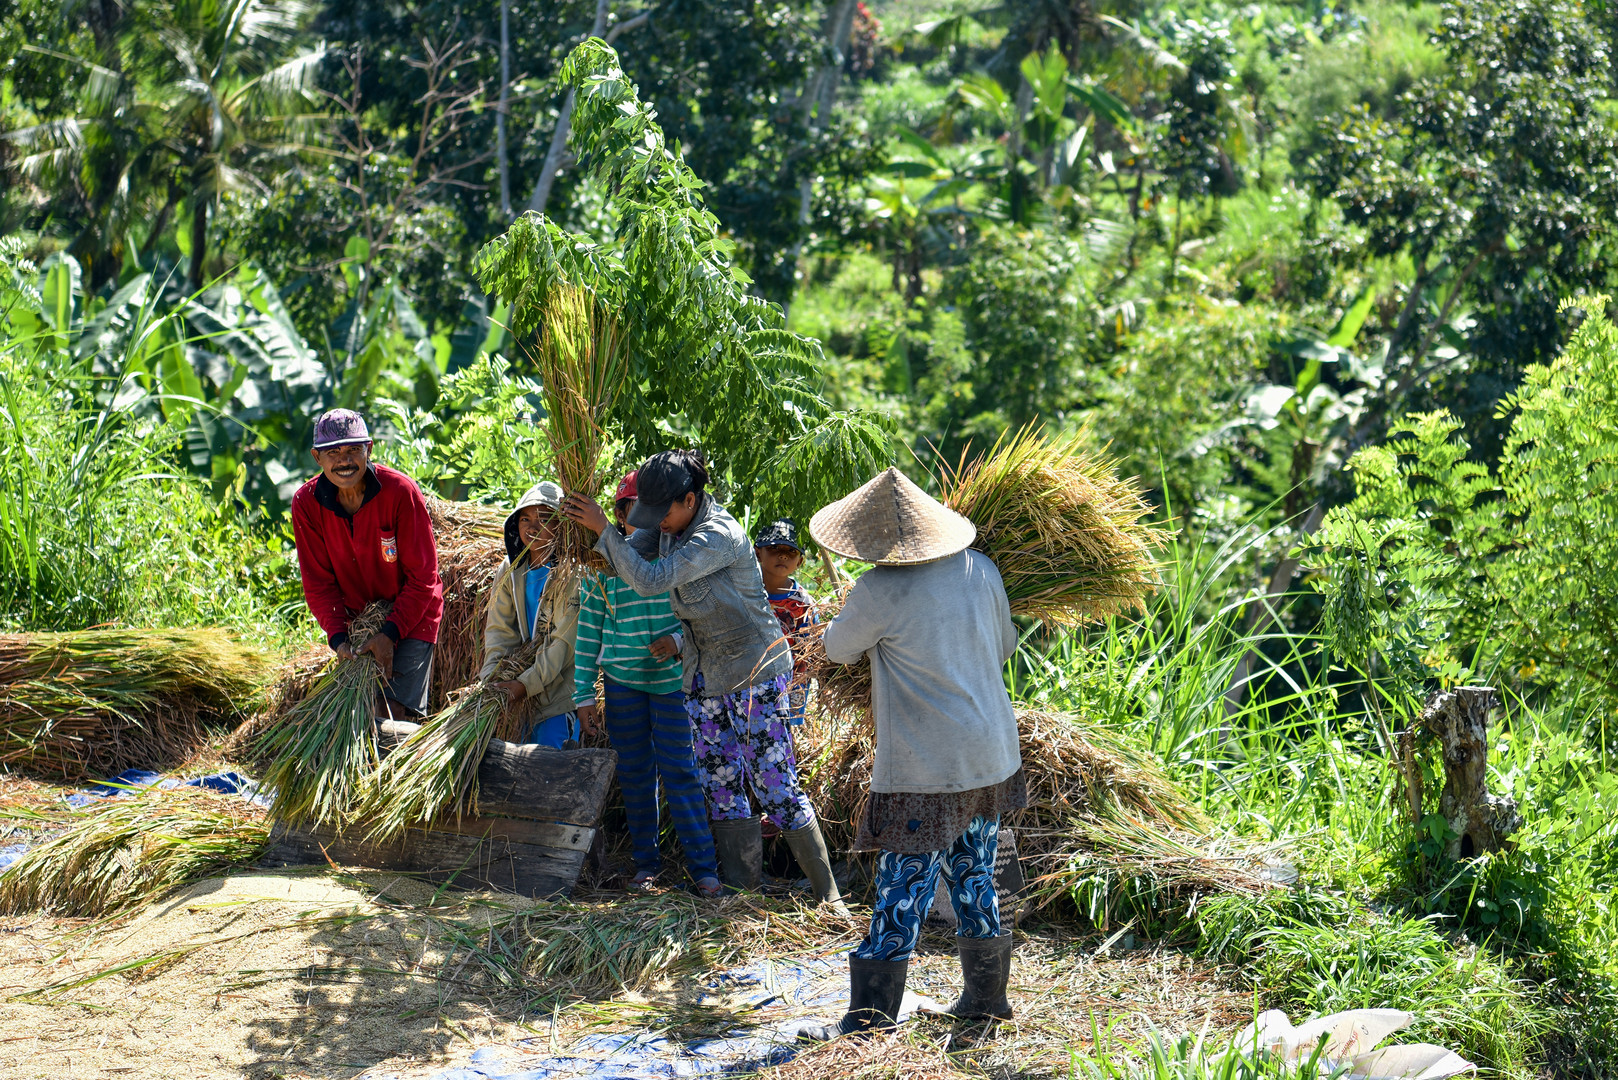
{"points": [[1310, 952], [1521, 563]]}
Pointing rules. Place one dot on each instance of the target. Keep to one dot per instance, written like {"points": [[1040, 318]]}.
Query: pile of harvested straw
{"points": [[435, 770], [319, 752], [582, 366], [1097, 806], [98, 701], [124, 852], [471, 544]]}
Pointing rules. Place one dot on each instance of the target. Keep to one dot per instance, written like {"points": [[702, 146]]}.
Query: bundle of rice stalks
{"points": [[470, 549], [1100, 809], [471, 545], [320, 752], [435, 770], [1065, 531], [582, 367], [125, 852], [99, 701]]}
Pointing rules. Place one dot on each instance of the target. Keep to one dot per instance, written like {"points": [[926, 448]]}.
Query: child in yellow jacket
{"points": [[532, 598]]}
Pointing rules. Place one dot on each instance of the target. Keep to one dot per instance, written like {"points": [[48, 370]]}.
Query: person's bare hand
{"points": [[345, 651], [664, 648], [590, 719], [380, 646], [585, 512], [514, 689]]}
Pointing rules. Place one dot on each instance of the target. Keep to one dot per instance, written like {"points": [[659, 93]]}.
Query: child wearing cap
{"points": [[532, 599], [737, 665], [633, 641], [932, 617], [779, 557]]}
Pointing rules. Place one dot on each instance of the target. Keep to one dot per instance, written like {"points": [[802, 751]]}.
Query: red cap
{"points": [[626, 487]]}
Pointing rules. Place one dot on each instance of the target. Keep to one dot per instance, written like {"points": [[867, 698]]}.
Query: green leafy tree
{"points": [[710, 362], [1519, 560], [174, 104], [1498, 182]]}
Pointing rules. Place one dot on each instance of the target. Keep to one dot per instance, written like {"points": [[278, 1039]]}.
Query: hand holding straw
{"points": [[321, 751], [434, 771]]}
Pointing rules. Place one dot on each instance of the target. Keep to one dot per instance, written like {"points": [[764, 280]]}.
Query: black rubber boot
{"points": [[740, 847], [985, 970], [875, 989], [809, 848]]}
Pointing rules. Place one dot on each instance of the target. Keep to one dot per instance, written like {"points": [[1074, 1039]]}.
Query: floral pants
{"points": [[905, 885], [744, 741]]}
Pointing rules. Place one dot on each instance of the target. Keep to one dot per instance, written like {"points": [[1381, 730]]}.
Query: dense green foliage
{"points": [[1328, 277]]}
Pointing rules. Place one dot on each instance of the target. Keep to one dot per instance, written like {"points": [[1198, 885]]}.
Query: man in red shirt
{"points": [[363, 535]]}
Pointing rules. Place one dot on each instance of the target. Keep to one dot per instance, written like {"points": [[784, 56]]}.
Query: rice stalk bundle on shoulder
{"points": [[319, 753], [471, 545], [121, 853], [582, 364], [1102, 813], [1066, 532], [434, 772], [99, 701]]}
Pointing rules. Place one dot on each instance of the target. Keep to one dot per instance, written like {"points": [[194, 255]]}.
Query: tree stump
{"points": [[1479, 821]]}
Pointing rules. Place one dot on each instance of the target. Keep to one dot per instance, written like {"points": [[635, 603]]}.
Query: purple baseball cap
{"points": [[340, 427]]}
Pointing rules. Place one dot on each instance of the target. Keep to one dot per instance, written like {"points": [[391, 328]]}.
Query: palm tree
{"points": [[189, 98]]}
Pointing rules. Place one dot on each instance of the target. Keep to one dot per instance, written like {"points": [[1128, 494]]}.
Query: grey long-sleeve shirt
{"points": [[937, 636], [716, 591]]}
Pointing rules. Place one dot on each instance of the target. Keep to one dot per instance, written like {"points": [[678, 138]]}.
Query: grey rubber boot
{"points": [[875, 990], [809, 848], [740, 847], [985, 971]]}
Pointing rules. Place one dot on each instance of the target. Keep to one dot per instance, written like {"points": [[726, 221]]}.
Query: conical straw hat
{"points": [[891, 521]]}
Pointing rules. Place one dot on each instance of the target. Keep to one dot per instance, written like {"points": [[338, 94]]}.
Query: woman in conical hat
{"points": [[933, 619]]}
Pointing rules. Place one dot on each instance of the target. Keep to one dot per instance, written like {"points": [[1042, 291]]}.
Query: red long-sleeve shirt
{"points": [[385, 551]]}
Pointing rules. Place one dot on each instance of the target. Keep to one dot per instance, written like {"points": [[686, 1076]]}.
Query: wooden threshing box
{"points": [[540, 811]]}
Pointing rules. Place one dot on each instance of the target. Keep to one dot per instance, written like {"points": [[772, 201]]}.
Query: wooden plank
{"points": [[546, 834], [494, 860], [534, 782]]}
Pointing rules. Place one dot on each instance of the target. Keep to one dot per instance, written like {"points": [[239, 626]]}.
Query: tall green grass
{"points": [[1499, 958], [100, 522]]}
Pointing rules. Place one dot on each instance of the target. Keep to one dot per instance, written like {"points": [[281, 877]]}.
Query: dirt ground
{"points": [[356, 974]]}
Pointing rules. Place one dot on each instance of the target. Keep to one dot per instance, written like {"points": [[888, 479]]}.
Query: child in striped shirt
{"points": [[633, 641]]}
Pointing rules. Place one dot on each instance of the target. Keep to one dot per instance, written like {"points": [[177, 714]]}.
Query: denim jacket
{"points": [[716, 591]]}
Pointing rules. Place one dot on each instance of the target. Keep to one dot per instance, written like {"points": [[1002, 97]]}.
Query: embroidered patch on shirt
{"points": [[390, 548]]}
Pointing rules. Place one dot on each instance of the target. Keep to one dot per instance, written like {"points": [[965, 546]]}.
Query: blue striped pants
{"points": [[905, 885], [652, 735]]}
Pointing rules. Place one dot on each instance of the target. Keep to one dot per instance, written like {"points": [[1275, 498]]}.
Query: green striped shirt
{"points": [[616, 629]]}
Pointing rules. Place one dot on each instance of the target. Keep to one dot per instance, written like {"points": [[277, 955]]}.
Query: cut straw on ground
{"points": [[123, 852], [319, 754], [1102, 813], [99, 701]]}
